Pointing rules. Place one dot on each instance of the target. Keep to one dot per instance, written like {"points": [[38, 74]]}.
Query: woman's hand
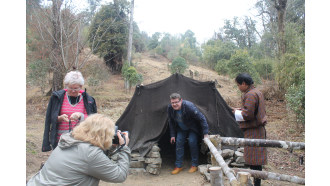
{"points": [[121, 139], [76, 116], [62, 118]]}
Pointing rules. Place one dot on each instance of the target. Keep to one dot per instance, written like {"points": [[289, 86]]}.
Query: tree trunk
{"points": [[56, 51], [280, 6], [130, 36], [272, 176], [262, 143]]}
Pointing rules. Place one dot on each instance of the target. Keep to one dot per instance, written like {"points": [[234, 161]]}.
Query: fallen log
{"points": [[272, 176], [262, 143], [227, 171]]}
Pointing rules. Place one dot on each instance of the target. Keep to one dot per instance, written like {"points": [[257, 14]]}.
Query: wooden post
{"points": [[272, 176], [243, 178], [216, 176], [221, 162], [216, 141]]}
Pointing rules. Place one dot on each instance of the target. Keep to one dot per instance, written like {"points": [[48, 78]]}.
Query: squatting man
{"points": [[184, 121]]}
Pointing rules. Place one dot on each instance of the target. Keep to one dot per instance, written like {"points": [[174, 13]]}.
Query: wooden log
{"points": [[272, 176], [216, 177], [262, 143], [243, 178], [228, 172]]}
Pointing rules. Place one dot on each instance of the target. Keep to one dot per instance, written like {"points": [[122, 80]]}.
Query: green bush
{"points": [[222, 67], [290, 75], [178, 65], [215, 50], [295, 98], [131, 75], [37, 74], [240, 62], [265, 68], [159, 50], [189, 54], [290, 71]]}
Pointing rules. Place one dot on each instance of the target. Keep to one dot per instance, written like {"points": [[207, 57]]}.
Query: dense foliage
{"points": [[179, 65], [108, 33]]}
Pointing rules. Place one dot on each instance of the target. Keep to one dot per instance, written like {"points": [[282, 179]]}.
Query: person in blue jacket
{"points": [[185, 121]]}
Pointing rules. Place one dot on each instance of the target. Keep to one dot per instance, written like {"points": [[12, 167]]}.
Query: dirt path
{"points": [[112, 100]]}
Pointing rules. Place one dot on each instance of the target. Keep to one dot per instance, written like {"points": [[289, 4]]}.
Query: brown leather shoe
{"points": [[192, 169], [176, 170]]}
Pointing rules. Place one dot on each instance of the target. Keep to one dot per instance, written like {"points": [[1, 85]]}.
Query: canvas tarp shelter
{"points": [[146, 115]]}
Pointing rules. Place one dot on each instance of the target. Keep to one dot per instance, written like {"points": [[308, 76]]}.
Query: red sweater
{"points": [[68, 109]]}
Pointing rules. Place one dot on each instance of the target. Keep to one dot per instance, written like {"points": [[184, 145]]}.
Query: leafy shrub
{"points": [[37, 74], [131, 75], [178, 65], [159, 50], [215, 50], [290, 75], [295, 98], [265, 68], [189, 54], [222, 67], [290, 71], [240, 62]]}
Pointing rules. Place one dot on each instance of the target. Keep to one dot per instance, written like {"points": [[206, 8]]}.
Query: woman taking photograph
{"points": [[80, 158]]}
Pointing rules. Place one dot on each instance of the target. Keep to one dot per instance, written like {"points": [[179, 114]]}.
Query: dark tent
{"points": [[146, 115]]}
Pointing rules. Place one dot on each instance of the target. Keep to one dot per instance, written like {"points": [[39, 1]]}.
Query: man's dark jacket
{"points": [[191, 117], [53, 110]]}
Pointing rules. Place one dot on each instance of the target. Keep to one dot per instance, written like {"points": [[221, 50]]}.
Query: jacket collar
{"points": [[250, 88]]}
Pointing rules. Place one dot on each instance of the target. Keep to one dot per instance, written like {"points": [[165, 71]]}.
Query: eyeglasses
{"points": [[71, 89], [176, 102]]}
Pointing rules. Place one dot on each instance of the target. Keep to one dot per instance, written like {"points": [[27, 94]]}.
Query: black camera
{"points": [[115, 139]]}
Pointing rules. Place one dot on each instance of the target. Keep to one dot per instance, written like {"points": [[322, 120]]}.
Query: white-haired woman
{"points": [[66, 108], [80, 158]]}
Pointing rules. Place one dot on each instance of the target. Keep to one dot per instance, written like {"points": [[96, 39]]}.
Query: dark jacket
{"points": [[191, 116], [53, 110]]}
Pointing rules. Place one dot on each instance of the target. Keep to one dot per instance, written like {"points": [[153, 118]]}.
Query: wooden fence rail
{"points": [[216, 152], [272, 176], [262, 143]]}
